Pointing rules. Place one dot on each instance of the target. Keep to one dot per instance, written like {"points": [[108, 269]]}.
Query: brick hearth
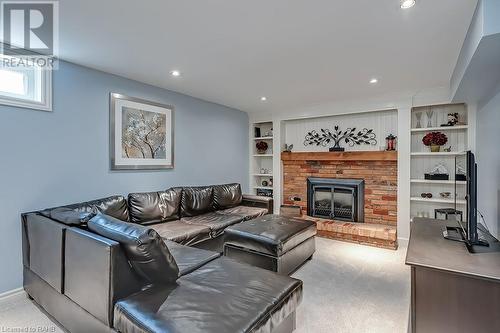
{"points": [[378, 169]]}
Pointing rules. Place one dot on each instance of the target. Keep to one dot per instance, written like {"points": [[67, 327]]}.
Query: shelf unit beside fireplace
{"points": [[423, 160], [261, 161]]}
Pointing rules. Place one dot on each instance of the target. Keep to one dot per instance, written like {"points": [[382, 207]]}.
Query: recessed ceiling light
{"points": [[373, 81], [175, 73], [263, 99], [405, 4]]}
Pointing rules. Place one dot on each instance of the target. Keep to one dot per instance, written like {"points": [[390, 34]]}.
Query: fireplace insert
{"points": [[336, 199]]}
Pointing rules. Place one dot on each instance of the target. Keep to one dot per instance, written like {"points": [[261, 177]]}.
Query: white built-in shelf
{"points": [[440, 153], [263, 187], [441, 128], [422, 159], [441, 182], [260, 162], [439, 200]]}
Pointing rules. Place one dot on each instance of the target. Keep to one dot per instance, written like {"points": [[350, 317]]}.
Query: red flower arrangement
{"points": [[435, 139], [261, 146]]}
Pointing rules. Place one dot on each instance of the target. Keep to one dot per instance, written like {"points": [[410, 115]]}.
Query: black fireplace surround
{"points": [[336, 199]]}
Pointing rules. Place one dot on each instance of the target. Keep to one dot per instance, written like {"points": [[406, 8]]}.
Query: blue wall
{"points": [[488, 162], [61, 157]]}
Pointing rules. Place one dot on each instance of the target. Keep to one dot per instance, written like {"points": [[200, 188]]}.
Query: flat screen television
{"points": [[471, 236], [468, 233]]}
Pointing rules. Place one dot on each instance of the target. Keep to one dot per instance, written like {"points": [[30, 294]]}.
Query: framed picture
{"points": [[141, 134]]}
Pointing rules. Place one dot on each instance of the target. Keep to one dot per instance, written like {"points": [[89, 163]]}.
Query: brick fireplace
{"points": [[377, 170]]}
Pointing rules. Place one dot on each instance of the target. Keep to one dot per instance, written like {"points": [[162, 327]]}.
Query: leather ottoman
{"points": [[277, 243]]}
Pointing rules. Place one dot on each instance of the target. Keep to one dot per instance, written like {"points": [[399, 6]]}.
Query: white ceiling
{"points": [[296, 52]]}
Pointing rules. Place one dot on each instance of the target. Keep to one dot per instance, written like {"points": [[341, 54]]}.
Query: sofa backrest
{"points": [[227, 196], [153, 207], [197, 200], [170, 205], [115, 206]]}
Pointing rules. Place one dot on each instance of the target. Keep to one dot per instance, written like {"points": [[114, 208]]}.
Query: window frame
{"points": [[45, 90]]}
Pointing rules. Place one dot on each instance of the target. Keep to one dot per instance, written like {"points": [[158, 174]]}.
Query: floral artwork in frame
{"points": [[141, 134]]}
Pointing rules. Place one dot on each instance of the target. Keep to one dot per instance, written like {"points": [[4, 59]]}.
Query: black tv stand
{"points": [[454, 233], [479, 246]]}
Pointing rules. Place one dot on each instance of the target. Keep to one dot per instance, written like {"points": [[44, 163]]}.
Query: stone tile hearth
{"points": [[379, 235]]}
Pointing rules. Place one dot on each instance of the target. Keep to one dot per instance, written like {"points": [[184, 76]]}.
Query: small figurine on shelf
{"points": [[390, 141], [448, 150], [288, 148], [452, 119], [439, 172]]}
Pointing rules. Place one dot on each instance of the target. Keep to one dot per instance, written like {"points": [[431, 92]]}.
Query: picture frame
{"points": [[141, 134]]}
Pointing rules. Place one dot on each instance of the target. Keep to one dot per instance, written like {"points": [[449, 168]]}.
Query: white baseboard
{"points": [[11, 293], [403, 241]]}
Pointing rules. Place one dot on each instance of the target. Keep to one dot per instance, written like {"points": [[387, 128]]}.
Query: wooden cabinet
{"points": [[452, 290]]}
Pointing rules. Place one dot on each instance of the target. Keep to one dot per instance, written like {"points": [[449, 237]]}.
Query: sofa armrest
{"points": [[258, 201], [97, 273], [43, 242]]}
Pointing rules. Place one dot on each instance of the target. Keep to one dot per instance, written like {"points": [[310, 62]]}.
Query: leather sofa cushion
{"points": [[189, 258], [216, 222], [227, 195], [182, 233], [221, 296], [154, 207], [270, 234], [115, 206], [196, 200], [247, 213], [145, 249]]}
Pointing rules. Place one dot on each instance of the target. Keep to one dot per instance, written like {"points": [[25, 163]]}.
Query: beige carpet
{"points": [[354, 288], [347, 288]]}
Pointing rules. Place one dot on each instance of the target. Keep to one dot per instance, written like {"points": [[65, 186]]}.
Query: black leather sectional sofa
{"points": [[89, 265]]}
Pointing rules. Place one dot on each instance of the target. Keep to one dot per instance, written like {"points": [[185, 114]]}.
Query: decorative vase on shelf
{"points": [[435, 148], [435, 140], [429, 114], [261, 147], [418, 115]]}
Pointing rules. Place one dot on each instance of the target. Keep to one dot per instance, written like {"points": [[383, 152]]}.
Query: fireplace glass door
{"points": [[334, 202]]}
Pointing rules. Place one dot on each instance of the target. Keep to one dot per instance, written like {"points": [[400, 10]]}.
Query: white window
{"points": [[25, 86]]}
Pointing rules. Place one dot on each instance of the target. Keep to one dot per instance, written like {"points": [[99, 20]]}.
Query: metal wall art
{"points": [[349, 136]]}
